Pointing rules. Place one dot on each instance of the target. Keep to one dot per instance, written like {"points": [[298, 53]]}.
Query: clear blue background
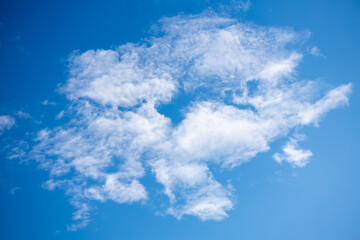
{"points": [[320, 201]]}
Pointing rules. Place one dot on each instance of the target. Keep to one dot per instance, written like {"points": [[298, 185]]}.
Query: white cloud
{"points": [[316, 52], [192, 189], [6, 122], [246, 95], [19, 150], [209, 202], [14, 190], [333, 99], [60, 115], [296, 156], [235, 6], [222, 133], [108, 78], [81, 216], [23, 115], [47, 102]]}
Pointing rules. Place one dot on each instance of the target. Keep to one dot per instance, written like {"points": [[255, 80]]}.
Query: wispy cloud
{"points": [[23, 115], [18, 150], [246, 92], [315, 51], [60, 115], [14, 190], [47, 102], [6, 122], [236, 6]]}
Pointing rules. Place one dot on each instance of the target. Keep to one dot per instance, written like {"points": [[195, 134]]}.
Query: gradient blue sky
{"points": [[270, 200]]}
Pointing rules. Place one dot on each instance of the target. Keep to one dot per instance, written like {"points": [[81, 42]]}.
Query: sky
{"points": [[179, 119]]}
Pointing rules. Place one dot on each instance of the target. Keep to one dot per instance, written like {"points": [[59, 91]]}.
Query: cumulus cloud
{"points": [[244, 92], [6, 122], [296, 156]]}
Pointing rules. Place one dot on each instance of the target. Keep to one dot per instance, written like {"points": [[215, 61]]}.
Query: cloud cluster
{"points": [[244, 93]]}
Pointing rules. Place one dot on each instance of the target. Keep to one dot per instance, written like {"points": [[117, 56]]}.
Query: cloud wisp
{"points": [[6, 122], [244, 92]]}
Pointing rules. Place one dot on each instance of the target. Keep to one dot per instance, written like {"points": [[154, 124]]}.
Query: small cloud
{"points": [[316, 52], [14, 190], [6, 122], [47, 103], [49, 185], [81, 217], [296, 156], [60, 115], [23, 115], [19, 151], [245, 5]]}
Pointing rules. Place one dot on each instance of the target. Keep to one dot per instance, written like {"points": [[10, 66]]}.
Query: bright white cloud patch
{"points": [[6, 122], [296, 156], [246, 94]]}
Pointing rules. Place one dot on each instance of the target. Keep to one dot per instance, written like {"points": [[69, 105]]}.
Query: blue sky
{"points": [[179, 120]]}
